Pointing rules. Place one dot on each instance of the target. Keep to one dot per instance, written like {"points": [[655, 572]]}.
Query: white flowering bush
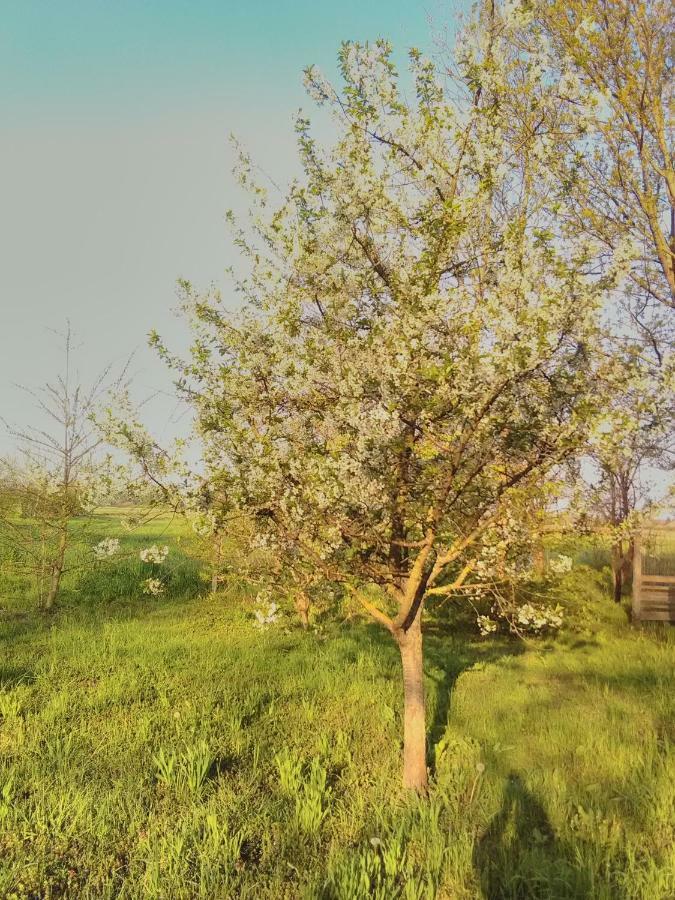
{"points": [[486, 625], [560, 565], [106, 548], [154, 554], [528, 618], [267, 611], [153, 586], [537, 619]]}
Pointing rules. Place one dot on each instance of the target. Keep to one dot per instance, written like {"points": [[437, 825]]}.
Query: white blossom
{"points": [[560, 565], [267, 612], [536, 619], [106, 548], [154, 554], [152, 586], [486, 625]]}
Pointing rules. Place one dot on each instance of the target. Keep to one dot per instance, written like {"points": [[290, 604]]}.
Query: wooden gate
{"points": [[654, 573]]}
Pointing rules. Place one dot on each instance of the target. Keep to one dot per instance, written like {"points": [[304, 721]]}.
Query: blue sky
{"points": [[115, 165], [130, 57]]}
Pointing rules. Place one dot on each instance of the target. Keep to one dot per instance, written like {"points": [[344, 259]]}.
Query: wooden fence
{"points": [[654, 573]]}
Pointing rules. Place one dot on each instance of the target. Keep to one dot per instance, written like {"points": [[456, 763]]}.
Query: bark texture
{"points": [[302, 604], [414, 725]]}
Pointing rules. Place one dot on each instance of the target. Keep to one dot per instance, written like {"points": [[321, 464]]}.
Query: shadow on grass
{"points": [[519, 857], [451, 652], [125, 579], [223, 765]]}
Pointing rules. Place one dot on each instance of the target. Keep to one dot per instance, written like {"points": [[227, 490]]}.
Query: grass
{"points": [[658, 551], [166, 748]]}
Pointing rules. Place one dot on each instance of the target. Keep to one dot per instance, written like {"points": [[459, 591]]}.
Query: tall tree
{"points": [[416, 348], [636, 435], [613, 61]]}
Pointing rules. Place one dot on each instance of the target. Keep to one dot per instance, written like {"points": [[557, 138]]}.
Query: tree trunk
{"points": [[414, 725], [217, 559], [618, 584], [618, 568], [539, 559], [57, 570], [302, 608]]}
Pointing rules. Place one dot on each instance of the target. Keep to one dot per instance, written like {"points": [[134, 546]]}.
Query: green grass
{"points": [[166, 748], [87, 583], [658, 551]]}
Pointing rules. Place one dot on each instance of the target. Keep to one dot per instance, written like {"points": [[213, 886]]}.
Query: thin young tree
{"points": [[58, 473]]}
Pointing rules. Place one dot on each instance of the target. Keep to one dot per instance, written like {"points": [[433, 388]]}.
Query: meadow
{"points": [[165, 747]]}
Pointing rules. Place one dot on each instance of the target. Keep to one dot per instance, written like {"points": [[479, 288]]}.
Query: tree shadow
{"points": [[453, 653], [519, 857], [449, 650], [32, 623]]}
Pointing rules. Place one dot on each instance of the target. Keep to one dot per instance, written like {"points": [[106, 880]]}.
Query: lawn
{"points": [[167, 748]]}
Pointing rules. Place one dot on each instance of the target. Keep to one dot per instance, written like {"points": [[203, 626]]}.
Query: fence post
{"points": [[637, 576]]}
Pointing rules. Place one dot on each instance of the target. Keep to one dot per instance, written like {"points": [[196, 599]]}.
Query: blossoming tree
{"points": [[613, 62], [633, 441], [416, 346]]}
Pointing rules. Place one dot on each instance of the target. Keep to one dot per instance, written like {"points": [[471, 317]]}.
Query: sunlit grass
{"points": [[166, 748]]}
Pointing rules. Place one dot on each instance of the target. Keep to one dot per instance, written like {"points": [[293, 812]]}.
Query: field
{"points": [[164, 747]]}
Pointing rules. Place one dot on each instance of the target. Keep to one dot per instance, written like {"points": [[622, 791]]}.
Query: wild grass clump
{"points": [[187, 771]]}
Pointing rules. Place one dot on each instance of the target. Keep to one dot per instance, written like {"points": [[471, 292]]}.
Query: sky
{"points": [[115, 164]]}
